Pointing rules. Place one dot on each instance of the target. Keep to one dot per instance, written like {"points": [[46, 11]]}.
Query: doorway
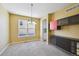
{"points": [[44, 30]]}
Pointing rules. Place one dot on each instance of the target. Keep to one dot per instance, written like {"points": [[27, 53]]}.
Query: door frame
{"points": [[41, 22]]}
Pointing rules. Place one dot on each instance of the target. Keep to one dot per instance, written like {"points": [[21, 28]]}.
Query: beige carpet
{"points": [[33, 49]]}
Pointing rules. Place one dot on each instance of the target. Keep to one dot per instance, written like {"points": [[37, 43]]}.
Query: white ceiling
{"points": [[39, 9]]}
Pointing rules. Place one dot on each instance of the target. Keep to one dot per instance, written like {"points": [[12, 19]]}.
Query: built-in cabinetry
{"points": [[68, 20], [67, 44], [74, 19], [63, 21], [77, 48], [52, 40]]}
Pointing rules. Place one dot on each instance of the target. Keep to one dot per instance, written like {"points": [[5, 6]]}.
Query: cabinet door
{"points": [[59, 22], [52, 40], [65, 21], [67, 43], [73, 47], [59, 42], [74, 19]]}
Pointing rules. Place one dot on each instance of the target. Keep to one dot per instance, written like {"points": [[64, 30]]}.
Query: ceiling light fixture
{"points": [[31, 18]]}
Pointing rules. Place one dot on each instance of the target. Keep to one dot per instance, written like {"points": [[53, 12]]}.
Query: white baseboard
{"points": [[4, 48]]}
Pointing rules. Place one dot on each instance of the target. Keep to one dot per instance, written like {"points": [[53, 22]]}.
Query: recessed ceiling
{"points": [[38, 10]]}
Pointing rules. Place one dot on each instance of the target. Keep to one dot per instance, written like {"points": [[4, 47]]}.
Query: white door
{"points": [[44, 30]]}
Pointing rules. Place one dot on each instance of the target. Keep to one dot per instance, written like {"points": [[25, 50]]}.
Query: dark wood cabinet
{"points": [[58, 22], [65, 21], [68, 20], [52, 40], [62, 22], [74, 20], [64, 43], [73, 47]]}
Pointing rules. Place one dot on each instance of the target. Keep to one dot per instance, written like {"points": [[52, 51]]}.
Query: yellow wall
{"points": [[14, 31], [71, 31], [50, 18]]}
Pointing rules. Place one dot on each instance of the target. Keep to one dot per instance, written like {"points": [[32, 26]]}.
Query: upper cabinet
{"points": [[74, 20], [68, 20], [62, 22]]}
